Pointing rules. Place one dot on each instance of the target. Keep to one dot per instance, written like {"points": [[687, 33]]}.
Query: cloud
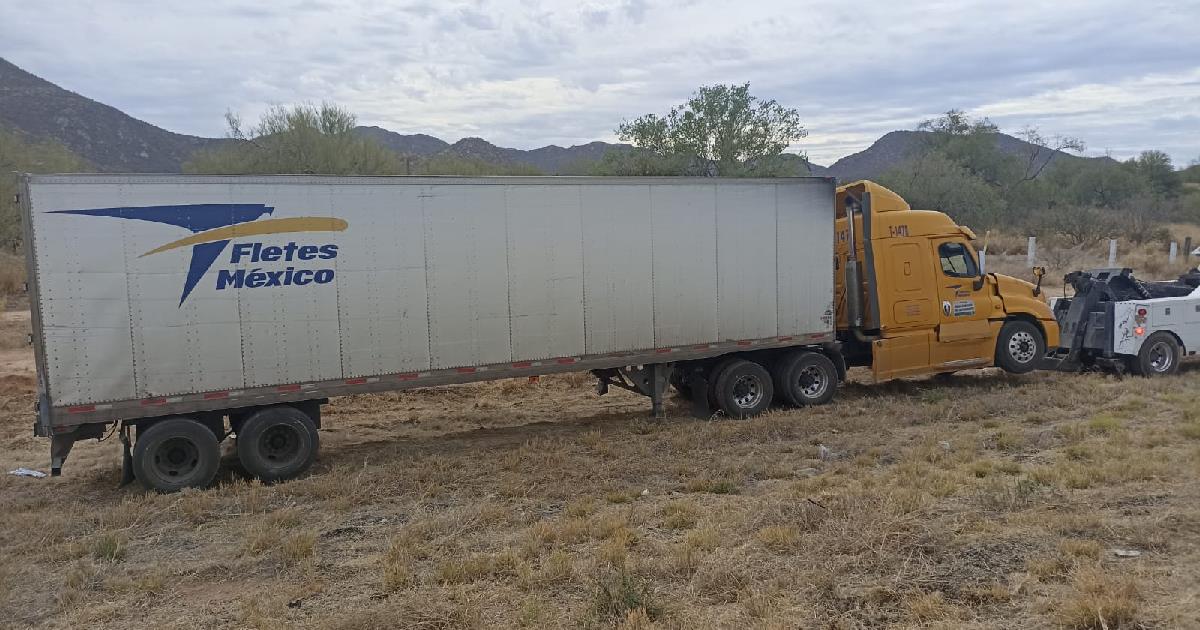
{"points": [[526, 73]]}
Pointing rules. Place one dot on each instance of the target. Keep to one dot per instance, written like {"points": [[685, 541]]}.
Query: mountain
{"points": [[417, 144], [104, 136], [895, 147], [550, 159]]}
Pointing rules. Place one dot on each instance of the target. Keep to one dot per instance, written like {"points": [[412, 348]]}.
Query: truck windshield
{"points": [[957, 261]]}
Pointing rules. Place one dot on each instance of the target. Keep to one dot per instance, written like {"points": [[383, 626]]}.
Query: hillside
{"points": [[104, 136], [417, 144], [550, 159], [895, 147]]}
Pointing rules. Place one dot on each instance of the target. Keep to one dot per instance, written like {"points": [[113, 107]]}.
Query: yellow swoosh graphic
{"points": [[257, 228]]}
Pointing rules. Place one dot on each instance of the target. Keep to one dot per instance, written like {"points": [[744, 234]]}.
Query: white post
{"points": [[1173, 253], [1112, 252], [1031, 252]]}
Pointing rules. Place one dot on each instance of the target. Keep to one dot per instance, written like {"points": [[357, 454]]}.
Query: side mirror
{"points": [[983, 269], [978, 283], [1039, 272]]}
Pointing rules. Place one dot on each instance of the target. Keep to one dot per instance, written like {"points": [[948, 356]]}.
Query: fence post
{"points": [[1173, 253], [1031, 252], [1187, 249], [1112, 252]]}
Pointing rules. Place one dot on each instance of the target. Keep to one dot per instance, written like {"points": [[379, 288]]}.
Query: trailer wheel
{"points": [[714, 375], [1159, 355], [174, 454], [744, 389], [1019, 346], [806, 378], [277, 443]]}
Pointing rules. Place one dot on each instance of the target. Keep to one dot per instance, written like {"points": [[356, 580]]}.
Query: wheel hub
{"points": [[279, 442], [176, 457], [1022, 347], [1160, 357], [812, 381], [747, 392]]}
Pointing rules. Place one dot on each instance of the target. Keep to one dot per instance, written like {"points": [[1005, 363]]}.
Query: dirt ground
{"points": [[975, 501]]}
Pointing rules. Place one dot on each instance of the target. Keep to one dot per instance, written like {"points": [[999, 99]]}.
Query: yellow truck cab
{"points": [[923, 305]]}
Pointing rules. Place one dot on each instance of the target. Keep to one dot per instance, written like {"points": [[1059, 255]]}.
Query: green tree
{"points": [[1155, 168], [1101, 183], [299, 139], [1191, 174], [721, 130], [968, 169], [937, 182], [18, 154]]}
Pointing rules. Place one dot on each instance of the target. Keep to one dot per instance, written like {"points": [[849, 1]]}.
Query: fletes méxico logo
{"points": [[213, 226]]}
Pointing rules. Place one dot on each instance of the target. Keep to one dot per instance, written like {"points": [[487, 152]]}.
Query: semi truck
{"points": [[178, 311]]}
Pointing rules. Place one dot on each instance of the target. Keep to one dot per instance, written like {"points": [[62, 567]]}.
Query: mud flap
{"points": [[127, 475], [698, 385]]}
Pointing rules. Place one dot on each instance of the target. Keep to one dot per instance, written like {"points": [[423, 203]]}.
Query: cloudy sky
{"points": [[1122, 76]]}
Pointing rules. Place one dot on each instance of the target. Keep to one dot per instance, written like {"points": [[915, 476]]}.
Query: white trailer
{"points": [[184, 309]]}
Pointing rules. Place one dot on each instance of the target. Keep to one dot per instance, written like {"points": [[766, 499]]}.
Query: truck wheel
{"points": [[1159, 355], [743, 389], [174, 454], [1019, 347], [806, 378], [277, 443]]}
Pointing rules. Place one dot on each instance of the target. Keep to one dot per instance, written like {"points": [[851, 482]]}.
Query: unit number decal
{"points": [[959, 308]]}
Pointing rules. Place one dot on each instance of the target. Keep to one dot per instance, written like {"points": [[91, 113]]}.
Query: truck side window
{"points": [[957, 262]]}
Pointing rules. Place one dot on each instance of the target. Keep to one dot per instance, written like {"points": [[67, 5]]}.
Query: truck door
{"points": [[964, 334]]}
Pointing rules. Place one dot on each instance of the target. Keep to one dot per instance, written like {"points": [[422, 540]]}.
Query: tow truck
{"points": [[1117, 323]]}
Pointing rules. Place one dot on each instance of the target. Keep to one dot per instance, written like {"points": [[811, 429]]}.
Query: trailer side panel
{"points": [[155, 289]]}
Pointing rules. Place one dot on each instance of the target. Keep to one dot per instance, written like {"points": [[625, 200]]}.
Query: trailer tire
{"points": [[714, 375], [1159, 356], [174, 454], [277, 443], [805, 378], [1019, 347], [744, 389]]}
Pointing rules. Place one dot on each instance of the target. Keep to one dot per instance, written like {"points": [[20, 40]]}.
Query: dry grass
{"points": [[983, 500], [12, 274]]}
